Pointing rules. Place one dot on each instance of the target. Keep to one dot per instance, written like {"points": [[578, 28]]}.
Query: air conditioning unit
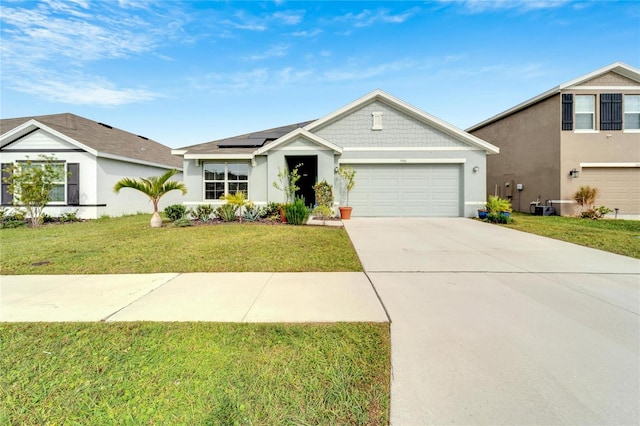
{"points": [[545, 211]]}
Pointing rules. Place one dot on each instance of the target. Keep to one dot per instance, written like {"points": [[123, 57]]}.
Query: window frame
{"points": [[63, 183], [625, 112], [576, 112], [227, 182]]}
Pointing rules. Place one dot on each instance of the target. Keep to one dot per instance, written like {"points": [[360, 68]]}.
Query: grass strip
{"points": [[127, 245], [194, 373], [615, 236]]}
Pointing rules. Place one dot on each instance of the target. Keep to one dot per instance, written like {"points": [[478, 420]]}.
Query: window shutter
{"points": [[567, 112], [73, 184], [5, 195], [611, 111]]}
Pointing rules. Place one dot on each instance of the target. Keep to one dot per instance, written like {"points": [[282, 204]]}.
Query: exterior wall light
{"points": [[574, 173]]}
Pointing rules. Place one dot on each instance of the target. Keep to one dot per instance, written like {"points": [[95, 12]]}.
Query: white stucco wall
{"points": [[97, 177]]}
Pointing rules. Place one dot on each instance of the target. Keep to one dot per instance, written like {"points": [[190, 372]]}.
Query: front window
{"points": [[632, 112], [585, 112], [225, 178], [57, 194]]}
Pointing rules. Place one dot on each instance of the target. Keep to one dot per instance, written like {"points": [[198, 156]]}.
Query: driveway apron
{"points": [[495, 326]]}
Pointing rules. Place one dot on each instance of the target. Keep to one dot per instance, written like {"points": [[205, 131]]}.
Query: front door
{"points": [[308, 172]]}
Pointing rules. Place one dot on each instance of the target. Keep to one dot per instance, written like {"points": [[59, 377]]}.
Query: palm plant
{"points": [[154, 187]]}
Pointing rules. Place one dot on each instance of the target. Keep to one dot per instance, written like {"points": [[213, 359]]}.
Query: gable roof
{"points": [[99, 139], [617, 67], [300, 133], [426, 118], [237, 146]]}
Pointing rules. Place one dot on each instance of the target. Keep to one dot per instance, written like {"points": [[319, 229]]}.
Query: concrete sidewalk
{"points": [[222, 297]]}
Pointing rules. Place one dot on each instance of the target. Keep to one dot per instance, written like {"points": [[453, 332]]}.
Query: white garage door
{"points": [[406, 190], [619, 187]]}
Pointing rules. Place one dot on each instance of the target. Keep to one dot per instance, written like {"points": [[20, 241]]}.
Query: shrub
{"points": [[182, 222], [203, 212], [271, 210], [297, 212], [175, 212], [12, 223], [585, 197], [323, 212], [71, 216], [498, 218], [47, 218], [226, 212], [496, 205], [252, 212], [595, 213]]}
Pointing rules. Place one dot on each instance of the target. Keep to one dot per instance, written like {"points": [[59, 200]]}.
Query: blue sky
{"points": [[189, 72]]}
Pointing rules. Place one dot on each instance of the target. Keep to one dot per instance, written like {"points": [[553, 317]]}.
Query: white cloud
{"points": [[368, 17], [305, 33], [277, 51], [288, 18], [358, 73], [480, 6], [47, 47], [77, 88]]}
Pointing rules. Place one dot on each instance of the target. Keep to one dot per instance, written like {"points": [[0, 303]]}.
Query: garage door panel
{"points": [[406, 190], [619, 187]]}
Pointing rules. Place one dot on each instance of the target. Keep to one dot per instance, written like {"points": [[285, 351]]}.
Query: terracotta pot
{"points": [[345, 213], [283, 216]]}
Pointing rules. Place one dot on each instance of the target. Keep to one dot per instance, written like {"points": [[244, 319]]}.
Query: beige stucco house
{"points": [[583, 132]]}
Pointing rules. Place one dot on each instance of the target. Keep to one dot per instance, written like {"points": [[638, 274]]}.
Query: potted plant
{"points": [[498, 209], [347, 174]]}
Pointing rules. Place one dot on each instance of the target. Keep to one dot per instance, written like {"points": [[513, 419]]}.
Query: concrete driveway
{"points": [[494, 326]]}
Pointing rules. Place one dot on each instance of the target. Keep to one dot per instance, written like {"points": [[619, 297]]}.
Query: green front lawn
{"points": [[194, 374], [616, 236], [127, 245]]}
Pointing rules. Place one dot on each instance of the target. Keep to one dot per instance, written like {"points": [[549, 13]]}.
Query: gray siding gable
{"points": [[399, 130]]}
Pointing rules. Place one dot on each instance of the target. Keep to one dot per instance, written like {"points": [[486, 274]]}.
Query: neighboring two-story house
{"points": [[583, 132], [94, 157]]}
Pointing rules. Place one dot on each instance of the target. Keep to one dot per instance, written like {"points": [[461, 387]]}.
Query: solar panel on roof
{"points": [[242, 143]]}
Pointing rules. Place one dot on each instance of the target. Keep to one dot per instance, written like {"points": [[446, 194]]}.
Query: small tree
{"points": [[287, 182], [155, 188], [31, 183], [585, 197], [348, 176], [237, 200]]}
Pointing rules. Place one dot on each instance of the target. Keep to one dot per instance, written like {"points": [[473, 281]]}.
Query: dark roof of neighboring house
{"points": [[246, 143], [102, 138]]}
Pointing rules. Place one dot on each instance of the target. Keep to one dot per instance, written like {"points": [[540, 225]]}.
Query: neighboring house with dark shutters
{"points": [[408, 162], [94, 155], [583, 132]]}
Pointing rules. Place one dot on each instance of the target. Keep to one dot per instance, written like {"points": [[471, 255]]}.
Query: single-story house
{"points": [[585, 132], [407, 162], [95, 156]]}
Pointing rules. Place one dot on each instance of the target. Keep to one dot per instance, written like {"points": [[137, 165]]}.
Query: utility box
{"points": [[545, 211]]}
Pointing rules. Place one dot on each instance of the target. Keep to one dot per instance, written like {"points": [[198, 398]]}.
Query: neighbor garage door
{"points": [[619, 187], [406, 190]]}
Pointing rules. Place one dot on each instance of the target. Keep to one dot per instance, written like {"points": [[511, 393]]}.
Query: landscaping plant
{"points": [[31, 184], [297, 212], [175, 212], [237, 200], [348, 176], [585, 197], [226, 212], [155, 188], [203, 212], [324, 199], [287, 182]]}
